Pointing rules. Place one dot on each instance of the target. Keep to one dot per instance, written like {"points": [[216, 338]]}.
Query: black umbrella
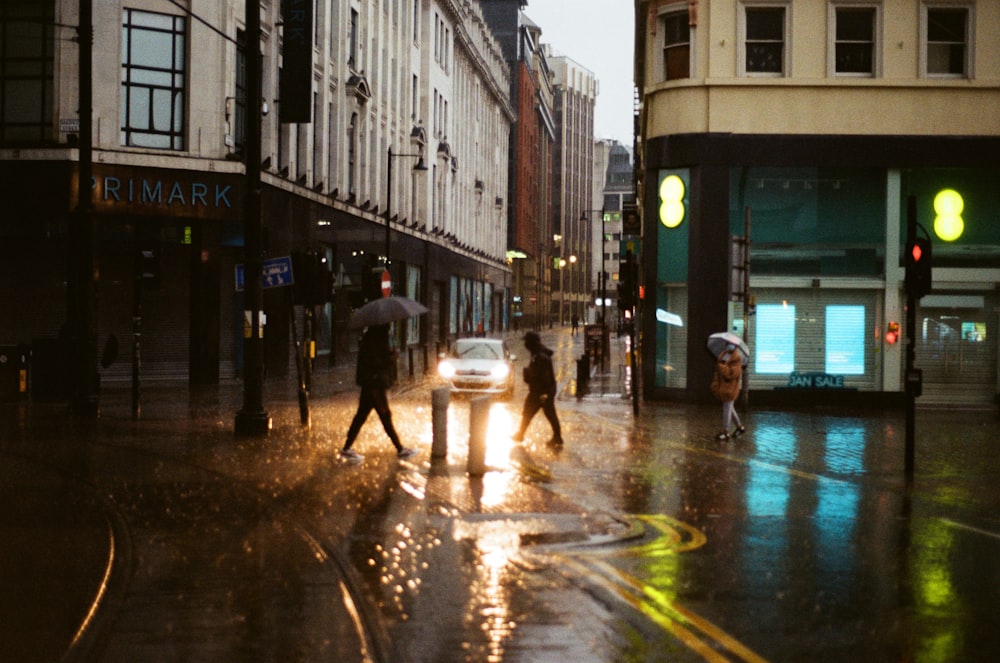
{"points": [[385, 310]]}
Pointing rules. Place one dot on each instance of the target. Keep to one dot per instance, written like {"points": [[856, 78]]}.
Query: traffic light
{"points": [[631, 223], [918, 267], [892, 333], [304, 274]]}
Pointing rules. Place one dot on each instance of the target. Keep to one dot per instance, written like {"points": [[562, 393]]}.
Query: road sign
{"points": [[386, 283], [275, 273]]}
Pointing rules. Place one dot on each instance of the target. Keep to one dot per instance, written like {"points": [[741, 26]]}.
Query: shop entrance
{"points": [[956, 349]]}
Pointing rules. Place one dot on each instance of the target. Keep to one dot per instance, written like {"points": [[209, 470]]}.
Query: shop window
{"points": [[774, 340], [855, 46], [845, 340], [676, 46], [811, 221], [26, 54], [945, 48], [153, 80], [764, 40]]}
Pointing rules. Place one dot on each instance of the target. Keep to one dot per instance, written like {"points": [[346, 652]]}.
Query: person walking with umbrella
{"points": [[731, 355], [374, 376], [541, 380]]}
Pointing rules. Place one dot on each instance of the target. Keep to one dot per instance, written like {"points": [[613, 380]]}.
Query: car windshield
{"points": [[477, 351]]}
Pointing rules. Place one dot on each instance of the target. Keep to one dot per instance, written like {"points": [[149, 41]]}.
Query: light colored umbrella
{"points": [[385, 310], [720, 342]]}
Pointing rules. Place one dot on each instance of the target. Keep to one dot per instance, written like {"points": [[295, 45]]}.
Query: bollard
{"points": [[582, 374], [439, 421], [479, 418]]}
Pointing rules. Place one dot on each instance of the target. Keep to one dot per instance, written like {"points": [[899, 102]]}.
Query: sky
{"points": [[599, 36]]}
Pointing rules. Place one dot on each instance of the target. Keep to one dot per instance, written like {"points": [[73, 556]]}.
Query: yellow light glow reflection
{"points": [[498, 480]]}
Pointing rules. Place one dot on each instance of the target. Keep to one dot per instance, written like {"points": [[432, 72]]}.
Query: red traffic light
{"points": [[919, 279], [892, 333]]}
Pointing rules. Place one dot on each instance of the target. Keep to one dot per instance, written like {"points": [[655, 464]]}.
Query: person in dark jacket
{"points": [[374, 375], [541, 380]]}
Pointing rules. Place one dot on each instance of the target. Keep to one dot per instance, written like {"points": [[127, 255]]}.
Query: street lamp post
{"points": [[572, 281], [562, 292], [603, 281], [602, 278], [388, 199], [563, 264]]}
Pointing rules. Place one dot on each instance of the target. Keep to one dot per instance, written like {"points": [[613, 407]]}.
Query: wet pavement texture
{"points": [[641, 539]]}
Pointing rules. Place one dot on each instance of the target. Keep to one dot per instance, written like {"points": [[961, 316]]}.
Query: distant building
{"points": [[576, 94], [814, 123], [616, 192], [529, 163]]}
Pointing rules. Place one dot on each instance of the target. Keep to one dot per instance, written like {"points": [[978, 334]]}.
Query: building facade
{"points": [[808, 127], [530, 164], [576, 93], [612, 239], [385, 87]]}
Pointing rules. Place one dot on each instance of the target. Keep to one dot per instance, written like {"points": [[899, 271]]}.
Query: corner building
{"points": [[813, 124]]}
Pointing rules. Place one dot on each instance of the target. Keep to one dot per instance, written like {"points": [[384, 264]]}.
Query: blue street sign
{"points": [[275, 273]]}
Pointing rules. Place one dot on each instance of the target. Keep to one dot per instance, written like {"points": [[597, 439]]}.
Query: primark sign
{"points": [[166, 192]]}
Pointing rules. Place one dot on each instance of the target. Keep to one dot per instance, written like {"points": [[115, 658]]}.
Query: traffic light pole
{"points": [[912, 384], [252, 420]]}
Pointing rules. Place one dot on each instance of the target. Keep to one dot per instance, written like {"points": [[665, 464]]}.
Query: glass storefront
{"points": [[956, 348], [826, 230], [815, 339]]}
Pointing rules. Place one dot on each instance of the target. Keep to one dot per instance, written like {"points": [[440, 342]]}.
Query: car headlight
{"points": [[500, 371], [446, 370]]}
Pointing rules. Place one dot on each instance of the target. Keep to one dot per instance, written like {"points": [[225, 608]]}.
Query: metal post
{"points": [[746, 301], [252, 419], [388, 208], [479, 421], [911, 350], [440, 398], [82, 304], [388, 201], [562, 290]]}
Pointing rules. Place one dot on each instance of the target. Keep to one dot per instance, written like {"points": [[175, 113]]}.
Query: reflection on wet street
{"points": [[642, 539]]}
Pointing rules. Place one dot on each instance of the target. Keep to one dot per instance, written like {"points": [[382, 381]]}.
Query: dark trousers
{"points": [[372, 398], [532, 404]]}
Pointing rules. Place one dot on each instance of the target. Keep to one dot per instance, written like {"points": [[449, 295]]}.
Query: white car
{"points": [[479, 366]]}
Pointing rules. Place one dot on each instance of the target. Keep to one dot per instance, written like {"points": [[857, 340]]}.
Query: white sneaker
{"points": [[350, 454], [406, 452]]}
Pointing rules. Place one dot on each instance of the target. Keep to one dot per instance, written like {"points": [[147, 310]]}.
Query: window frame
{"points": [[925, 9], [21, 70], [786, 52], [146, 137], [669, 13], [876, 43]]}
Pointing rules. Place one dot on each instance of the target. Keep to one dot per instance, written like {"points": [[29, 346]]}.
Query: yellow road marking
{"points": [[696, 633]]}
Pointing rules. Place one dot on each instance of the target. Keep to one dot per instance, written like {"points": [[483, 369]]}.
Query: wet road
{"points": [[642, 539]]}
